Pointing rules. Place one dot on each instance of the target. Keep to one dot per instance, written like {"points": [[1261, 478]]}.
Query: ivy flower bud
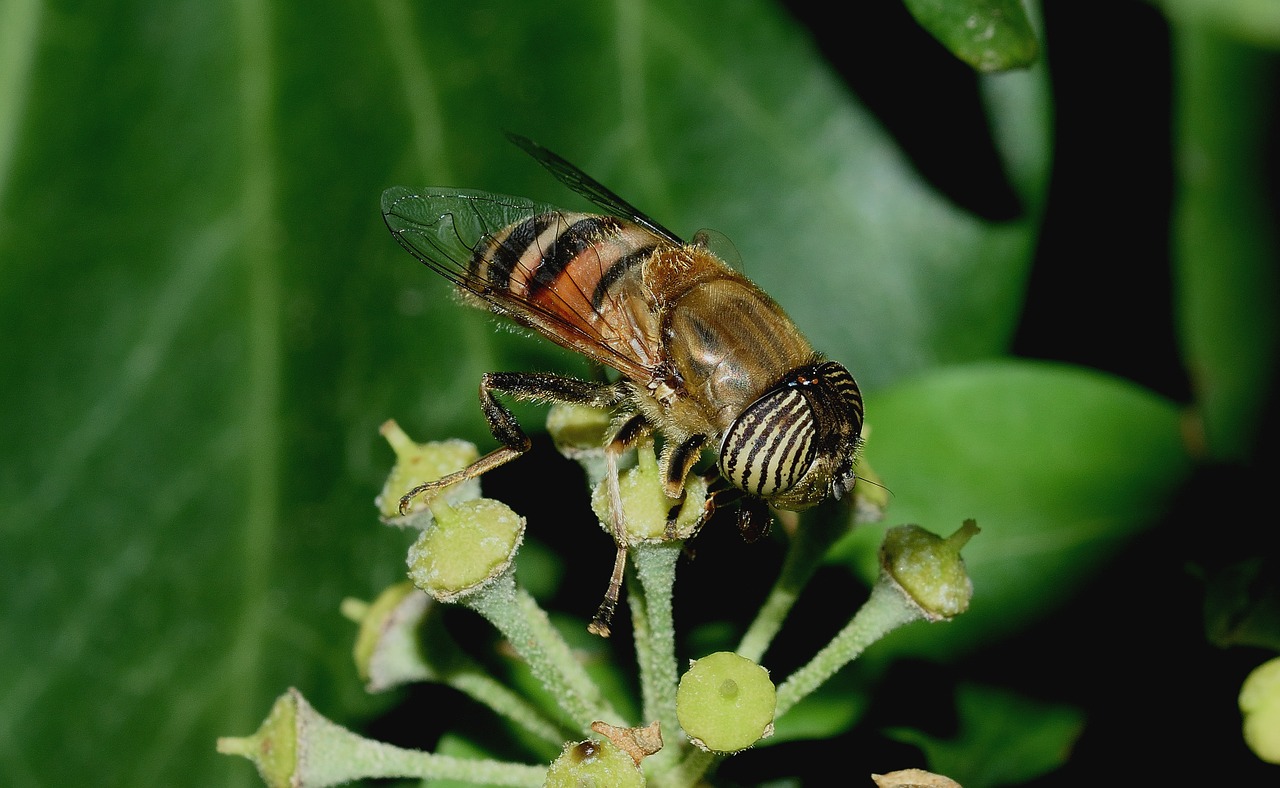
{"points": [[929, 569], [578, 429], [465, 548], [418, 463], [647, 511], [726, 702], [590, 763], [870, 497], [297, 747], [274, 747], [393, 630], [579, 432], [1260, 704]]}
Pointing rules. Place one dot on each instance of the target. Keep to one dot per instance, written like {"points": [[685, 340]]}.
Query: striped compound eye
{"points": [[771, 445]]}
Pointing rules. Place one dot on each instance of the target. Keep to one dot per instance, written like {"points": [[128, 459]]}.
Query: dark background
{"points": [[1132, 650]]}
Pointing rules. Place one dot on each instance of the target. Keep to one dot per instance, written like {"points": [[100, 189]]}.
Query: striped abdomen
{"points": [[584, 271]]}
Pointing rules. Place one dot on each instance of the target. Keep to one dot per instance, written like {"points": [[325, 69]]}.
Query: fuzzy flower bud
{"points": [[274, 747], [870, 497], [418, 463], [389, 648], [646, 508], [725, 702], [297, 747], [594, 763], [929, 569], [578, 429], [580, 433], [465, 548]]}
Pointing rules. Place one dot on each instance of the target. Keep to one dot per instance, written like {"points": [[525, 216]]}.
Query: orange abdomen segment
{"points": [[582, 270]]}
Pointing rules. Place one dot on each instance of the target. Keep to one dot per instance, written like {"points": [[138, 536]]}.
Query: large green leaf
{"points": [[1224, 233], [204, 320], [1058, 465]]}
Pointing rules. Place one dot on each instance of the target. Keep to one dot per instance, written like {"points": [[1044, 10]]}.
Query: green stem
{"points": [[884, 611], [298, 747], [387, 761], [492, 693], [526, 627], [654, 628], [688, 772], [808, 545]]}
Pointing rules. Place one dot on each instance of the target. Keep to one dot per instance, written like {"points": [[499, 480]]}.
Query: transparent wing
{"points": [[590, 188], [443, 228]]}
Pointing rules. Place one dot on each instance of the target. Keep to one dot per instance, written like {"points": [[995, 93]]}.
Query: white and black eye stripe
{"points": [[771, 445]]}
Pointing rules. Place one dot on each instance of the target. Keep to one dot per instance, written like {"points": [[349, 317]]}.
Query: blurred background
{"points": [[1057, 287]]}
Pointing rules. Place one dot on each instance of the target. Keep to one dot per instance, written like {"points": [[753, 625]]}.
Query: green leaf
{"points": [[205, 320], [1003, 739], [820, 715], [1224, 235], [1058, 465], [1254, 21], [990, 35]]}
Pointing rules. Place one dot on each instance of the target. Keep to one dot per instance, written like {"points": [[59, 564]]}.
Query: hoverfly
{"points": [[705, 358]]}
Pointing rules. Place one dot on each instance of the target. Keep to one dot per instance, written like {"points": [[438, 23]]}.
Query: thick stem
{"points": [[526, 627], [689, 772], [492, 693], [655, 565], [885, 610], [816, 534]]}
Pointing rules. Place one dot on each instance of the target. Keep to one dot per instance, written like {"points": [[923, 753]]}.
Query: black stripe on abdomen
{"points": [[576, 239], [508, 250]]}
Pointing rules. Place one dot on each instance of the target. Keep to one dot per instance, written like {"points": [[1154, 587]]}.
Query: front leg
{"points": [[676, 463], [539, 386]]}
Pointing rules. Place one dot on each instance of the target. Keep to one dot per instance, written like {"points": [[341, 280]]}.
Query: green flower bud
{"points": [[274, 747], [646, 508], [929, 569], [594, 764], [579, 433], [389, 648], [870, 497], [296, 747], [578, 429], [465, 547], [1260, 704], [725, 702], [419, 463]]}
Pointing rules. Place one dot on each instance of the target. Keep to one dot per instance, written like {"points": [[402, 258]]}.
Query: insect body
{"points": [[706, 359]]}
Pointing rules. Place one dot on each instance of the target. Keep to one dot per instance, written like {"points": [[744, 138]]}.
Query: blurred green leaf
{"points": [[205, 320], [1058, 465], [1254, 21], [1003, 739], [843, 701], [990, 35], [1225, 246]]}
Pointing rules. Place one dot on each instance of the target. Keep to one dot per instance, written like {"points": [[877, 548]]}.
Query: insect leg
{"points": [[678, 461], [624, 437], [753, 517], [541, 386]]}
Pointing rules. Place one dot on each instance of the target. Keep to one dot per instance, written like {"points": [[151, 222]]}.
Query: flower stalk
{"points": [[921, 577], [402, 640], [296, 747], [525, 625]]}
